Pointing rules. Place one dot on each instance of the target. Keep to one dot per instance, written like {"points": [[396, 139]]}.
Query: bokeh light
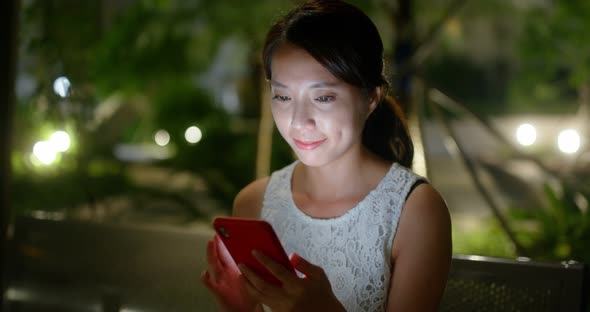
{"points": [[162, 137], [568, 141], [61, 86], [526, 134], [44, 152], [60, 141], [193, 134]]}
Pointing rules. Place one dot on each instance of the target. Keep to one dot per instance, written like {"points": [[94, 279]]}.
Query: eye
{"points": [[281, 98], [325, 98]]}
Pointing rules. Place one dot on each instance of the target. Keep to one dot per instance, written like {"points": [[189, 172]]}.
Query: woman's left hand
{"points": [[310, 293]]}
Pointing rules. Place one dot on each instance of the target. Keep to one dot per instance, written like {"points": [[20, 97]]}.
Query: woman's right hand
{"points": [[222, 279]]}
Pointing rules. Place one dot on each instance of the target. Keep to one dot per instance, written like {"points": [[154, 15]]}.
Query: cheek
{"points": [[343, 124], [281, 120], [360, 117]]}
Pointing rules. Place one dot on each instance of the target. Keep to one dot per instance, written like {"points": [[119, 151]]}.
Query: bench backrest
{"points": [[159, 268], [479, 283]]}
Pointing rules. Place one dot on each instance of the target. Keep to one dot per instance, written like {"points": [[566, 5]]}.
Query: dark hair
{"points": [[345, 41]]}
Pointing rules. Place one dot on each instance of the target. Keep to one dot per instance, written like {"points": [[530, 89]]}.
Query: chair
{"points": [[490, 284]]}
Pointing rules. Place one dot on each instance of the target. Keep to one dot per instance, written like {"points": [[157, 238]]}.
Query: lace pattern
{"points": [[354, 249]]}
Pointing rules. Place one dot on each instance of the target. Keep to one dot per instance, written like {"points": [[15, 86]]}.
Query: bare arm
{"points": [[421, 253]]}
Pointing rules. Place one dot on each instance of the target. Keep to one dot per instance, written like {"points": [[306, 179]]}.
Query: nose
{"points": [[303, 116]]}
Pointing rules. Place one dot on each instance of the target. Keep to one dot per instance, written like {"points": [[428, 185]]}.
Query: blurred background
{"points": [[135, 122]]}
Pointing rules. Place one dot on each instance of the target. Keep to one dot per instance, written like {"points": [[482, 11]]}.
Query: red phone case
{"points": [[241, 236]]}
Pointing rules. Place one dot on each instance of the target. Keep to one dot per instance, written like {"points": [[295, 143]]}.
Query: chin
{"points": [[312, 160], [311, 163]]}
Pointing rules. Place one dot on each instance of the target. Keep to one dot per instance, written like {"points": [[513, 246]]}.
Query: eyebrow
{"points": [[322, 84], [277, 84]]}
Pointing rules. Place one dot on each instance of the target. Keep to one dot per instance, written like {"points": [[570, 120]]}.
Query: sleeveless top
{"points": [[354, 249]]}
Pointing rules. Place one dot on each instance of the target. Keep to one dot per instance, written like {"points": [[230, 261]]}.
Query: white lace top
{"points": [[354, 249]]}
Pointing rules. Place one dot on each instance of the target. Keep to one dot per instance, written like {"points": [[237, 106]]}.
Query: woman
{"points": [[366, 233]]}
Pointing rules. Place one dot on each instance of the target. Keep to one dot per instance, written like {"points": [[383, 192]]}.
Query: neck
{"points": [[348, 177]]}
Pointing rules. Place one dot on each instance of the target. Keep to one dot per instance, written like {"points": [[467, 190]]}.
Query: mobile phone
{"points": [[241, 236]]}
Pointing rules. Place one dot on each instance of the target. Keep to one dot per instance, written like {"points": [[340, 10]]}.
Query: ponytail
{"points": [[386, 133]]}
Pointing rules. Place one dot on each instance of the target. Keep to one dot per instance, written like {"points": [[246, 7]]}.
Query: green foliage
{"points": [[148, 44], [62, 35], [151, 55], [554, 59], [57, 189], [559, 231], [555, 40], [180, 104], [485, 239], [472, 83]]}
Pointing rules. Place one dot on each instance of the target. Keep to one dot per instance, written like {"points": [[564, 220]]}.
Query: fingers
{"points": [[214, 265], [278, 270], [262, 287], [305, 267], [212, 287], [224, 256], [211, 259], [250, 289], [206, 280]]}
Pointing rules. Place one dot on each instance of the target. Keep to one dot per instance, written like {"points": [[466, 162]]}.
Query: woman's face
{"points": [[320, 116]]}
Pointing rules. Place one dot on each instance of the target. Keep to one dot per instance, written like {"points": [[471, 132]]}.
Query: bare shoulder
{"points": [[421, 254], [425, 199], [426, 215], [248, 202]]}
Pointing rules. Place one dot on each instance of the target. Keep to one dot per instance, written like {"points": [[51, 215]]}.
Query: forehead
{"points": [[291, 63]]}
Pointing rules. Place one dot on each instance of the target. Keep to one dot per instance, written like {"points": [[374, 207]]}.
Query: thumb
{"points": [[305, 266]]}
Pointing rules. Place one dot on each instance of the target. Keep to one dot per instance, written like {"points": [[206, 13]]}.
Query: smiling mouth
{"points": [[309, 145]]}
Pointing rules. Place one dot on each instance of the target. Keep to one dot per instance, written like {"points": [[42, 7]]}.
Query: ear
{"points": [[374, 99]]}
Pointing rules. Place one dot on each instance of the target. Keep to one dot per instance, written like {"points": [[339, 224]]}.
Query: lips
{"points": [[308, 145]]}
